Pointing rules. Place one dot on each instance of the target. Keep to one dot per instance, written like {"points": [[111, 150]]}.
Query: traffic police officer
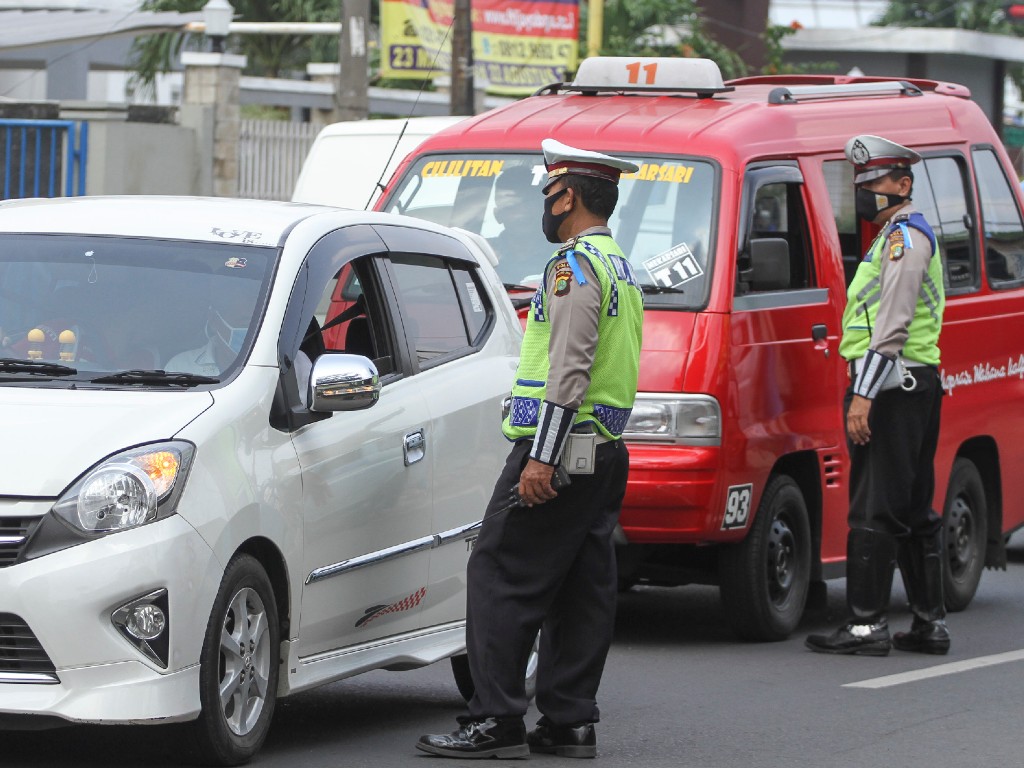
{"points": [[890, 338], [551, 561]]}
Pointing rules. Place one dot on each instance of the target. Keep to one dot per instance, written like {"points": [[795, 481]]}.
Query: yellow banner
{"points": [[517, 46]]}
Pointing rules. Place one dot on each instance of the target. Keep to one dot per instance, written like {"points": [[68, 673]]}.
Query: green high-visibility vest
{"points": [[863, 295], [613, 375]]}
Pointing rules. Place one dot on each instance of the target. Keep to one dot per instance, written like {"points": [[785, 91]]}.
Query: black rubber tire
{"points": [[765, 578], [464, 681], [245, 583], [965, 534]]}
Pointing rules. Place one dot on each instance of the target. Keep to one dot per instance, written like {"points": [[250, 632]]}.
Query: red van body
{"points": [[760, 509]]}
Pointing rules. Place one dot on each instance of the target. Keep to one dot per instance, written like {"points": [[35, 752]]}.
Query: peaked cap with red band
{"points": [[563, 160], [873, 157]]}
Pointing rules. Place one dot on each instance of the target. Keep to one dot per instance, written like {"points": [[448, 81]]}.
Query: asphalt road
{"points": [[679, 691]]}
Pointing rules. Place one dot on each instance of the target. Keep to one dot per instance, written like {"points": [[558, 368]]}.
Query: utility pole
{"points": [[351, 97], [595, 27], [462, 59]]}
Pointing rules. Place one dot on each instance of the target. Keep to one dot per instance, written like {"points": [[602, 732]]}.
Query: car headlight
{"points": [[127, 490], [677, 419]]}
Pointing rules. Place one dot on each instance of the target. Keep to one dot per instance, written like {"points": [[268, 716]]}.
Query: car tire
{"points": [[764, 579], [965, 534], [464, 681], [232, 727]]}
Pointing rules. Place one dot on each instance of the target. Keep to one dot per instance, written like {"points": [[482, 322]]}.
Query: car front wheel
{"points": [[764, 578], [239, 666]]}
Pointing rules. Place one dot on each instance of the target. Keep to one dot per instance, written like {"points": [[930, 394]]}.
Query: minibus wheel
{"points": [[764, 578], [239, 666], [464, 681], [965, 524]]}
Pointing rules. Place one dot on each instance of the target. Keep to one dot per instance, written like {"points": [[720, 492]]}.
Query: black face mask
{"points": [[867, 203], [551, 223]]}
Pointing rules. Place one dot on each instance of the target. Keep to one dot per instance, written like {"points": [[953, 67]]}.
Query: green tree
{"points": [[978, 15], [626, 25], [269, 55]]}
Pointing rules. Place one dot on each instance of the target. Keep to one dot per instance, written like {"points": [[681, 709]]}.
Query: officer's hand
{"points": [[535, 483], [857, 420]]}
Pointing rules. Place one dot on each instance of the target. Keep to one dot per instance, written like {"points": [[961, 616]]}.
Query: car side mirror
{"points": [[341, 382], [769, 264]]}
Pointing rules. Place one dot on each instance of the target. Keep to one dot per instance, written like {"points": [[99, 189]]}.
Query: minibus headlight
{"points": [[127, 490], [679, 419]]}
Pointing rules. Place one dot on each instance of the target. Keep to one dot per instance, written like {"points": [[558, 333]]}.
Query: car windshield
{"points": [[663, 221], [78, 308]]}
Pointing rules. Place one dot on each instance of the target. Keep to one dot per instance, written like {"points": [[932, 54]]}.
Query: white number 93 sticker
{"points": [[737, 506]]}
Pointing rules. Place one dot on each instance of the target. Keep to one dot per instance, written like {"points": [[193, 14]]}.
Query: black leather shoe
{"points": [[563, 740], [924, 637], [492, 737], [854, 639]]}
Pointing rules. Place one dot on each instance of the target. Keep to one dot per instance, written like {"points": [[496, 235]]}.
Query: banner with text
{"points": [[518, 45]]}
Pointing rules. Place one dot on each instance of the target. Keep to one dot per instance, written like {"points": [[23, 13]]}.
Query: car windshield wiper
{"points": [[155, 377], [16, 365], [661, 289]]}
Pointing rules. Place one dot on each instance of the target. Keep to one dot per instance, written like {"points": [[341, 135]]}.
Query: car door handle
{"points": [[819, 332], [415, 447]]}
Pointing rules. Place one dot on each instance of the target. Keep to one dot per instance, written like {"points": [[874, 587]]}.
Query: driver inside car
{"points": [[227, 322]]}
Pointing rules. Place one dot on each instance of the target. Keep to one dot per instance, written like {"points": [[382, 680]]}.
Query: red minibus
{"points": [[740, 224]]}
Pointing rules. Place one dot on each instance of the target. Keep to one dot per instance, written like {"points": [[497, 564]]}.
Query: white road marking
{"points": [[938, 671]]}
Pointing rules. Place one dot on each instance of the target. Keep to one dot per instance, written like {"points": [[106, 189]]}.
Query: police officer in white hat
{"points": [[549, 561], [890, 337]]}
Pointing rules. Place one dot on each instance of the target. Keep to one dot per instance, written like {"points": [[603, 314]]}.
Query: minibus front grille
{"points": [[14, 534], [22, 658]]}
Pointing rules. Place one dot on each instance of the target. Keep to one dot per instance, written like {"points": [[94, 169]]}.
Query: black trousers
{"points": [[892, 478], [892, 481], [550, 566]]}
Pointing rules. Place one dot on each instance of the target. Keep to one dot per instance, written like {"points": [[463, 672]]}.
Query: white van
{"points": [[349, 161]]}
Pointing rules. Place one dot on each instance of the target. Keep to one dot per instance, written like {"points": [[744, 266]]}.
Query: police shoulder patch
{"points": [[896, 245], [562, 278]]}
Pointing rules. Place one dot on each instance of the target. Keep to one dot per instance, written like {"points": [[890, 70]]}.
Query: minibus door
{"points": [[784, 327]]}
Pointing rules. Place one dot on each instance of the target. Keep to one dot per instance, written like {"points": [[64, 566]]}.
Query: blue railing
{"points": [[38, 157]]}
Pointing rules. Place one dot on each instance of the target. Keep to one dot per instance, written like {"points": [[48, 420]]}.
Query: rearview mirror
{"points": [[342, 382]]}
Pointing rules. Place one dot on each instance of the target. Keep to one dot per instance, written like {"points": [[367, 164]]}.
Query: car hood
{"points": [[51, 436]]}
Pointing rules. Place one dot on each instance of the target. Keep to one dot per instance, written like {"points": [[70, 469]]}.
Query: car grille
{"points": [[14, 532], [20, 651]]}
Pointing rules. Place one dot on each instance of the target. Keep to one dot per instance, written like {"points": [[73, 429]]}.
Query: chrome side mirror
{"points": [[342, 382]]}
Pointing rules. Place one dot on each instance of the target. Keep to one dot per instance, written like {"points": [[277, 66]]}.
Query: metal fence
{"points": [[270, 156], [42, 158]]}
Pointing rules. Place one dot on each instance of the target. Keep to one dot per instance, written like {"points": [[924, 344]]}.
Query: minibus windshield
{"points": [[663, 221], [83, 308]]}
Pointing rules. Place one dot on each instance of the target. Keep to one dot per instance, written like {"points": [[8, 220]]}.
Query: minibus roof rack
{"points": [[791, 94]]}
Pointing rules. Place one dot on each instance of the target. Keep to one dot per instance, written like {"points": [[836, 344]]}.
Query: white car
{"points": [[246, 447]]}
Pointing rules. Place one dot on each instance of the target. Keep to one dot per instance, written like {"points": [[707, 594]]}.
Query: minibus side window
{"points": [[779, 214], [944, 183], [839, 182], [1001, 219]]}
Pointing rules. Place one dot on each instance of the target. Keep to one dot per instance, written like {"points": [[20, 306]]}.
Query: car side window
{"points": [[444, 309], [940, 193], [1001, 222], [350, 318]]}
